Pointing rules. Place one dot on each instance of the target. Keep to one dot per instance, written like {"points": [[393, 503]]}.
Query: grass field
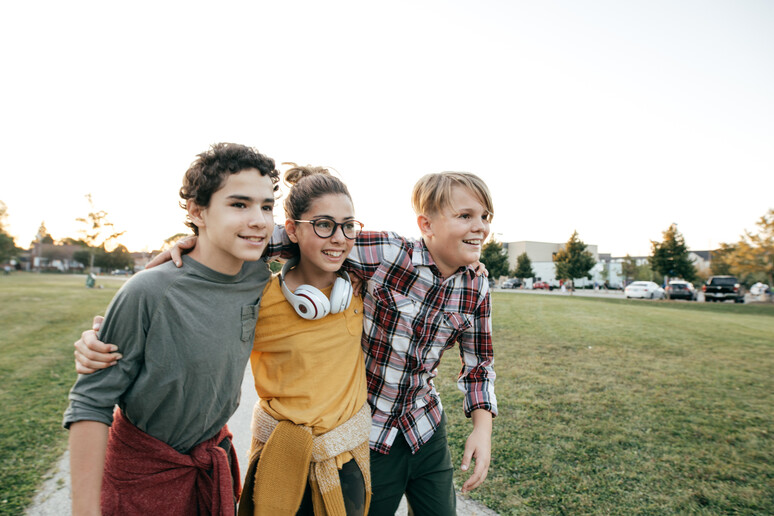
{"points": [[41, 316], [606, 406], [627, 407]]}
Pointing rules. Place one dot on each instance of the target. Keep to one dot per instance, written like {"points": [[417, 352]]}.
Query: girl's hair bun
{"points": [[297, 172]]}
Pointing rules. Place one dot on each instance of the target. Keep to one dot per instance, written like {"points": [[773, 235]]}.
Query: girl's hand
{"points": [[91, 354]]}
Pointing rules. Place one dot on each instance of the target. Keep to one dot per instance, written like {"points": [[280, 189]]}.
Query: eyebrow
{"points": [[315, 217], [238, 197]]}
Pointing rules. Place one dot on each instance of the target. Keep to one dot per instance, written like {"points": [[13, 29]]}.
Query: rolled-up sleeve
{"points": [[477, 375]]}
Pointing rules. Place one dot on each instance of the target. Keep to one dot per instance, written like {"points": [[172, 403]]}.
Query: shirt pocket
{"points": [[249, 318], [394, 311], [453, 325]]}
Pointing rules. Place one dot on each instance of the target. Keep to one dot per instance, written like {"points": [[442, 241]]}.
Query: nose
{"points": [[259, 218], [338, 234]]}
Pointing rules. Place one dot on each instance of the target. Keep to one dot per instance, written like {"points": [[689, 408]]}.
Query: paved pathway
{"points": [[53, 499]]}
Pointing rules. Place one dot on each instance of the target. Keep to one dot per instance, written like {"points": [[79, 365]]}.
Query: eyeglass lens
{"points": [[326, 227]]}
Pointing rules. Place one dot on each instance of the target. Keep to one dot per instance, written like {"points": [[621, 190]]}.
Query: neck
{"points": [[301, 275], [220, 262], [446, 270]]}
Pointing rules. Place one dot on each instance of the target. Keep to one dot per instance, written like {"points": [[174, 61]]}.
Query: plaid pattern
{"points": [[411, 317]]}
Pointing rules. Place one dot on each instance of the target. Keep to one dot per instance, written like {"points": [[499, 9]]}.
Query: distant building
{"points": [[541, 254], [51, 257], [701, 260]]}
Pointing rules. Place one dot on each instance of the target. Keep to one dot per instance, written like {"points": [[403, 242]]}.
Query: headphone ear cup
{"points": [[341, 295], [310, 303]]}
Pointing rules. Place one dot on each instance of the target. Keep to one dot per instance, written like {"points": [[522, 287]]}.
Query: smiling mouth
{"points": [[476, 242], [253, 239], [333, 254]]}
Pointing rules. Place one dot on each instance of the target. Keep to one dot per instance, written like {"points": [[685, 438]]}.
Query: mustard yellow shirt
{"points": [[309, 372]]}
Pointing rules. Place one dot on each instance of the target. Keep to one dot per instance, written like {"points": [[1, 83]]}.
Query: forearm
{"points": [[88, 441], [482, 421]]}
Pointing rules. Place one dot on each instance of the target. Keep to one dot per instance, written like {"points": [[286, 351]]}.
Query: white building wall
{"points": [[541, 254]]}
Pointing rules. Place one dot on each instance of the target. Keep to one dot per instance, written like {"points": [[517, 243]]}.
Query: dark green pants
{"points": [[425, 477]]}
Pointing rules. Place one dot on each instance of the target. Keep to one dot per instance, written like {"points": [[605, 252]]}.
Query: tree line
{"points": [[750, 259], [96, 233]]}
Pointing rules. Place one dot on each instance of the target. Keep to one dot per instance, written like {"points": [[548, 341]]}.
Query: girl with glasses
{"points": [[311, 425]]}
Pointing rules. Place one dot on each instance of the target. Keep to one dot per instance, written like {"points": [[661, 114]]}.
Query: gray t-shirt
{"points": [[186, 336]]}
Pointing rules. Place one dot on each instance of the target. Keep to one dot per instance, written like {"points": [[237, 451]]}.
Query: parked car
{"points": [[720, 288], [678, 289], [759, 289], [512, 283], [541, 285], [644, 290]]}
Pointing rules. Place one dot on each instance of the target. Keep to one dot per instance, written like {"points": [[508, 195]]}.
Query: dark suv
{"points": [[677, 289], [720, 288]]}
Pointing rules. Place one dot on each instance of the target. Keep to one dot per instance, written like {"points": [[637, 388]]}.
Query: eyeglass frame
{"points": [[336, 226]]}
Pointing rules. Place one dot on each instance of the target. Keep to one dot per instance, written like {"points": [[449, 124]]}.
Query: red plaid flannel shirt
{"points": [[412, 315]]}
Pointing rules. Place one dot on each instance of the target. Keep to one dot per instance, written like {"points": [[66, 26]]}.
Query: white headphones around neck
{"points": [[309, 302]]}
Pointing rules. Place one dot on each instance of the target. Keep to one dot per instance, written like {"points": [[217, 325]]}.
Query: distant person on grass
{"points": [[422, 297], [186, 335]]}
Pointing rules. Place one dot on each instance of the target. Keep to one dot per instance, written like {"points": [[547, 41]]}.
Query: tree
{"points": [[118, 259], [96, 231], [670, 257], [523, 268], [754, 253], [169, 242], [629, 269], [73, 241], [494, 259], [721, 260], [573, 260], [43, 236], [8, 247], [3, 216]]}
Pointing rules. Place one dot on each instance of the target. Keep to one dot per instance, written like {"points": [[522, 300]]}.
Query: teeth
{"points": [[333, 254], [254, 239], [474, 242]]}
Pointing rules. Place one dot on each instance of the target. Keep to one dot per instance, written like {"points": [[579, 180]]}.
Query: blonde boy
{"points": [[422, 298]]}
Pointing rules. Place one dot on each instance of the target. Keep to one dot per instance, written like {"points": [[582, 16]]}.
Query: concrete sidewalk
{"points": [[53, 499]]}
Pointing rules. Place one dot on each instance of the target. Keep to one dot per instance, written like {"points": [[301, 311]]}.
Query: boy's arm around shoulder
{"points": [[372, 248]]}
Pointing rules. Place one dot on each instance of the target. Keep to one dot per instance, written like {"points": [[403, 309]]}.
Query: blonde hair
{"points": [[433, 192], [307, 184]]}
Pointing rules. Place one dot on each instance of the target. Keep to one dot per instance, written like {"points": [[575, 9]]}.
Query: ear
{"points": [[425, 225], [290, 229], [195, 213]]}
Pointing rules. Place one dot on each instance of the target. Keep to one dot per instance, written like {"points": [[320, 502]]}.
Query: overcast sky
{"points": [[611, 118]]}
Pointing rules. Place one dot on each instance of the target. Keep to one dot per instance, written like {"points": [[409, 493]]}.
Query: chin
{"points": [[251, 256]]}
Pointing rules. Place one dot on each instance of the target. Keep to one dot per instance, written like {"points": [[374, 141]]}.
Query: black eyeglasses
{"points": [[325, 228]]}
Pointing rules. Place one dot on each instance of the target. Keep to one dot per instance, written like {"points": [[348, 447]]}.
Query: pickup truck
{"points": [[720, 288]]}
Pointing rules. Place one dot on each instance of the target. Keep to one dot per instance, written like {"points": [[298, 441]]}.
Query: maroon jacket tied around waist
{"points": [[144, 476]]}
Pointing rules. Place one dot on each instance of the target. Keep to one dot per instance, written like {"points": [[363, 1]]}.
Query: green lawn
{"points": [[606, 407], [627, 407], [41, 316]]}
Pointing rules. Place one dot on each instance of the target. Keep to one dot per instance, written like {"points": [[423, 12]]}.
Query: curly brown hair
{"points": [[207, 173]]}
